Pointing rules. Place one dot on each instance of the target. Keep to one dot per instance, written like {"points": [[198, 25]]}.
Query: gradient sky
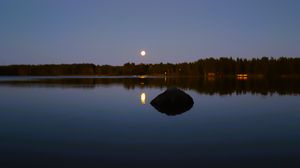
{"points": [[113, 31]]}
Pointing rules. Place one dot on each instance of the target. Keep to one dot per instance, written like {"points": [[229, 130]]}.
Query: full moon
{"points": [[143, 53]]}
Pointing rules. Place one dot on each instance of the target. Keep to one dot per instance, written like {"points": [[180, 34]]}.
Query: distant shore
{"points": [[208, 68]]}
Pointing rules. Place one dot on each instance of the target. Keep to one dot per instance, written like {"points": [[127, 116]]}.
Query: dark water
{"points": [[109, 122]]}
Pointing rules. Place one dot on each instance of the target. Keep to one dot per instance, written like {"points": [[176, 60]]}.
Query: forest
{"points": [[215, 67]]}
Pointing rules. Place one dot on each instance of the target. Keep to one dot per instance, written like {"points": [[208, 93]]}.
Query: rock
{"points": [[172, 102]]}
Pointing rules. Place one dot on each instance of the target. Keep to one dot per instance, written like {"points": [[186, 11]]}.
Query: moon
{"points": [[143, 53]]}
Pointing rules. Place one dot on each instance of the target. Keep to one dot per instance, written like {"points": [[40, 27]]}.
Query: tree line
{"points": [[210, 66]]}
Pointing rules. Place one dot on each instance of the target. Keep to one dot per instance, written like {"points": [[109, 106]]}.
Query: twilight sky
{"points": [[114, 31]]}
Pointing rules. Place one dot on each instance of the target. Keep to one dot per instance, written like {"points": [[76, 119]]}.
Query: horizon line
{"points": [[164, 62]]}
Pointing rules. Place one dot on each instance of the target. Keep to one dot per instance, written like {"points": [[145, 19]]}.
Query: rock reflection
{"points": [[173, 102]]}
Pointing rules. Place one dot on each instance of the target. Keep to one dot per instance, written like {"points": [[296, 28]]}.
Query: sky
{"points": [[115, 31]]}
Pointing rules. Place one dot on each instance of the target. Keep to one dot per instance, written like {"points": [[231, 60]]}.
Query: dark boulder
{"points": [[172, 102]]}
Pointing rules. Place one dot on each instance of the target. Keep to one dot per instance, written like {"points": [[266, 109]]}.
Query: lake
{"points": [[109, 122]]}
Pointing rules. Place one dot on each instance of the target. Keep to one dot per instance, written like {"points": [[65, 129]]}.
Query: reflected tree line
{"points": [[267, 67], [220, 86]]}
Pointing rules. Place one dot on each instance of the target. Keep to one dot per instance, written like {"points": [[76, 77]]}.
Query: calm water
{"points": [[109, 122]]}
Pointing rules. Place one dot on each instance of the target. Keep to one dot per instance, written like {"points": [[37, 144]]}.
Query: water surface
{"points": [[109, 122]]}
